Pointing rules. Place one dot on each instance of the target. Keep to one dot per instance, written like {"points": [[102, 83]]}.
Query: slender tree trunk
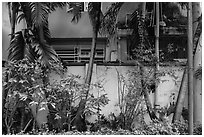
{"points": [[142, 71], [183, 87], [181, 97], [156, 105], [94, 15], [197, 62], [82, 103], [190, 68], [198, 84], [13, 15], [91, 61]]}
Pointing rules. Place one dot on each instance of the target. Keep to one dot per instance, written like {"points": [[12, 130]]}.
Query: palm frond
{"points": [[17, 47], [39, 13], [95, 14], [54, 5], [75, 11], [25, 14], [21, 48], [108, 24], [45, 52], [46, 31]]}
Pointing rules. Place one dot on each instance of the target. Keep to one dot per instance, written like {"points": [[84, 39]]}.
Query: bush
{"points": [[24, 86], [22, 79], [62, 98]]}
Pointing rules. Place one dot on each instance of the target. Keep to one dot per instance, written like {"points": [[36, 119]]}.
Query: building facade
{"points": [[72, 42]]}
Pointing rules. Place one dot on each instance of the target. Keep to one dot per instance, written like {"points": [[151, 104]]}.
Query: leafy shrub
{"points": [[197, 129], [23, 80], [62, 100], [183, 128], [158, 128], [23, 86]]}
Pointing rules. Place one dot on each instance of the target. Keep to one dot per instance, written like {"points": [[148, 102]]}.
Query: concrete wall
{"points": [[107, 75]]}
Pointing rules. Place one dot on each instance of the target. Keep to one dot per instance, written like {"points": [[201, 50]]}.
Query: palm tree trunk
{"points": [[190, 68], [157, 55], [13, 11], [91, 61], [95, 19], [82, 103]]}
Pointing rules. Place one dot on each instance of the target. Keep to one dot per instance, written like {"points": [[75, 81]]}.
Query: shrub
{"points": [[23, 80], [62, 100]]}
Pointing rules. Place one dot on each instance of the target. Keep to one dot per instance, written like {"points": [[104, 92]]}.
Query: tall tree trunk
{"points": [[181, 97], [197, 109], [190, 68], [94, 16], [197, 57], [156, 105], [13, 11], [198, 83], [78, 120], [142, 71]]}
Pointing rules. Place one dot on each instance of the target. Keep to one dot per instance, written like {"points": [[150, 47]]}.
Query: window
{"points": [[173, 48], [79, 49]]}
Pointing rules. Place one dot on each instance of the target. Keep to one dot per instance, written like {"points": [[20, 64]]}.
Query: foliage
{"points": [[130, 98], [108, 23], [142, 48], [62, 100], [31, 43], [160, 128], [157, 128], [23, 89], [24, 80], [183, 128]]}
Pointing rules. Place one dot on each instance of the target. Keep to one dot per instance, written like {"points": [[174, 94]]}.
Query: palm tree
{"points": [[108, 26], [31, 43], [97, 20], [95, 14]]}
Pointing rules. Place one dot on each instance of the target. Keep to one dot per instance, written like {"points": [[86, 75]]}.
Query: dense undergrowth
{"points": [[25, 87]]}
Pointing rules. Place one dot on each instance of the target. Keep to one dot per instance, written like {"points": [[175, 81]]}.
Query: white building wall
{"points": [[108, 76]]}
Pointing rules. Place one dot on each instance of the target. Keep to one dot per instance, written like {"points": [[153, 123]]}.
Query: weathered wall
{"points": [[168, 87]]}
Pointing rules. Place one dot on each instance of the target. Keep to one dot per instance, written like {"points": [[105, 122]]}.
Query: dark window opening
{"points": [[79, 49]]}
